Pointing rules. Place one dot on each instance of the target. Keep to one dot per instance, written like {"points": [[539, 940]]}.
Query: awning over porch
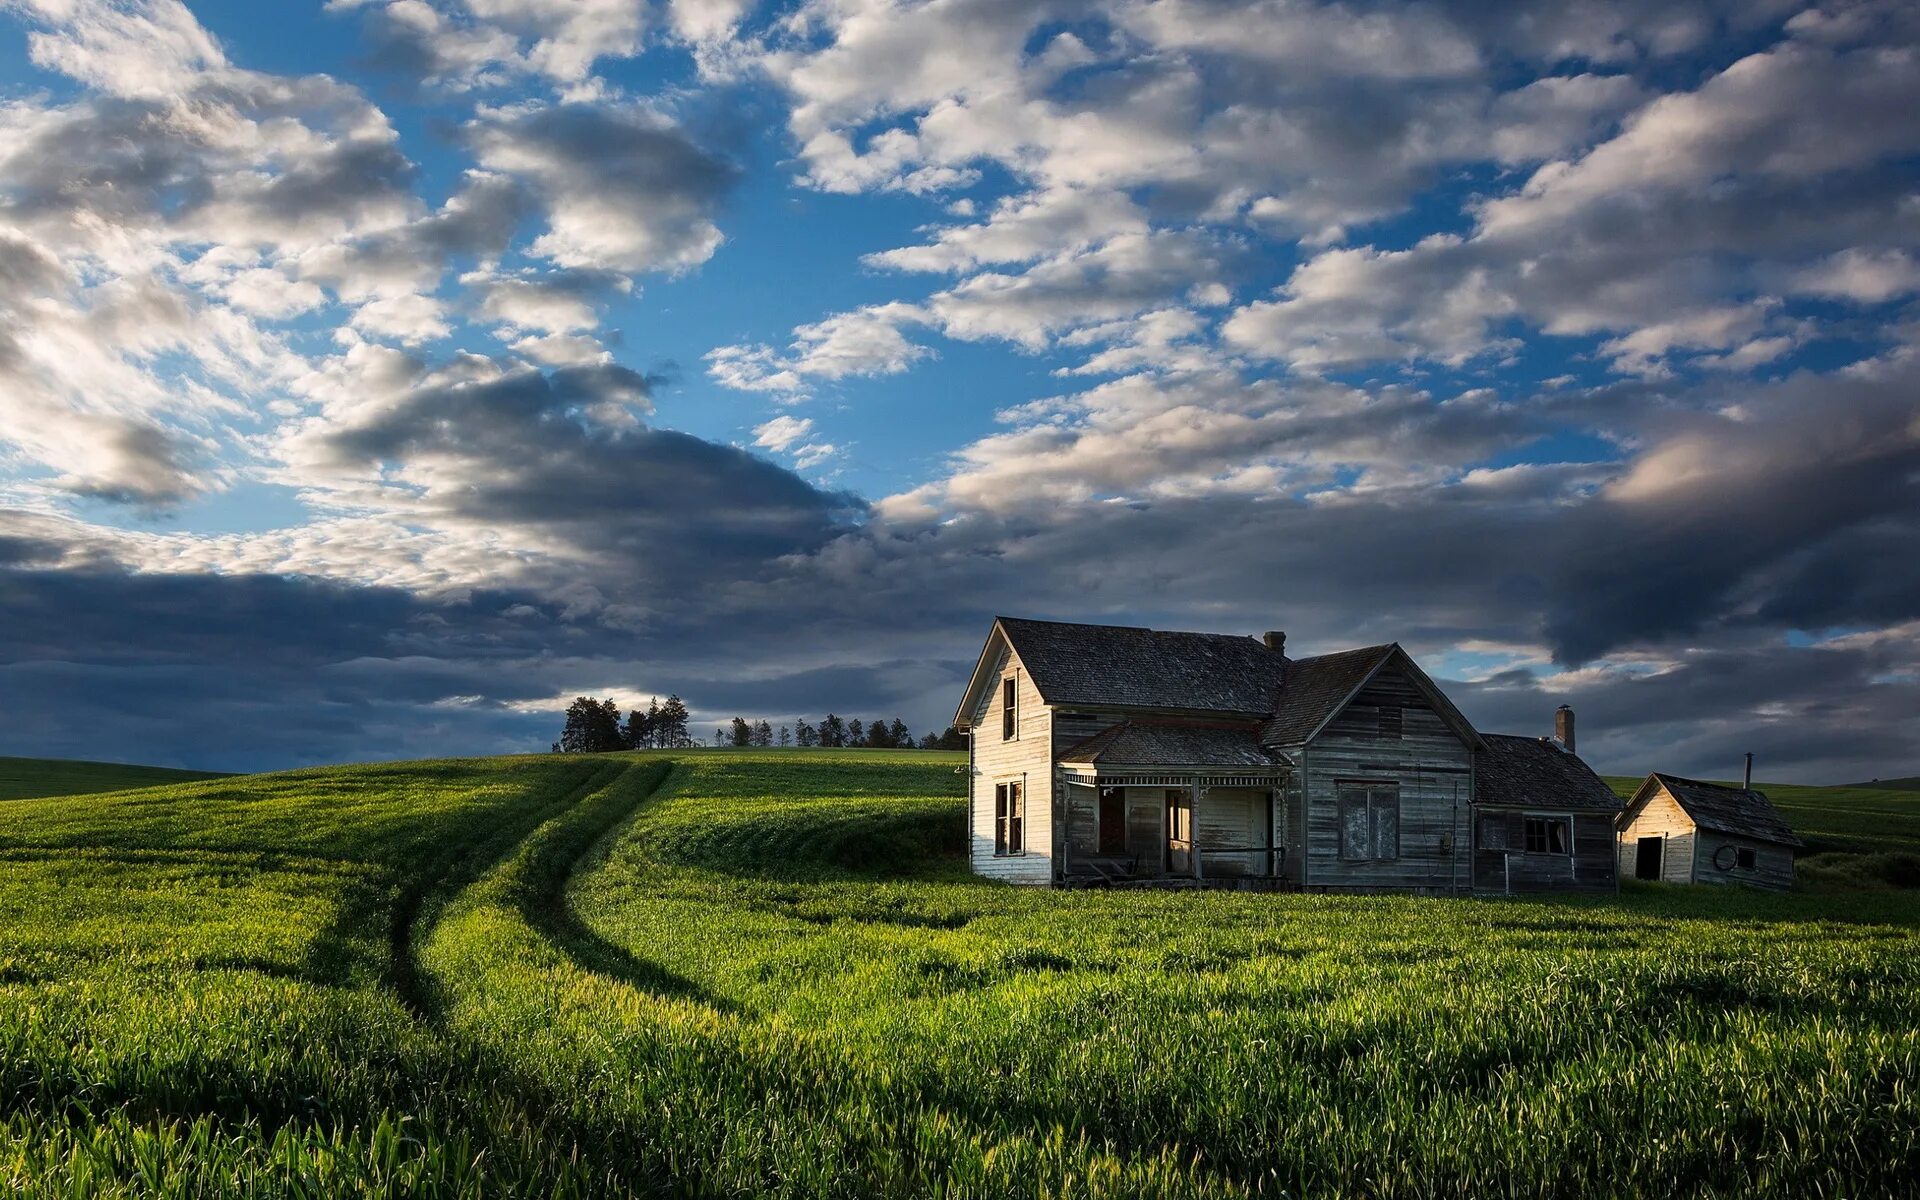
{"points": [[1181, 747]]}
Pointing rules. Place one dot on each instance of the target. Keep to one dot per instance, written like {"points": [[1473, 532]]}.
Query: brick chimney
{"points": [[1563, 727], [1276, 640]]}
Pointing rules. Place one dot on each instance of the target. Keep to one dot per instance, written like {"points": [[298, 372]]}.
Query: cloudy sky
{"points": [[378, 374]]}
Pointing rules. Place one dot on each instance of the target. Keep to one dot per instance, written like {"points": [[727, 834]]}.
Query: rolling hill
{"points": [[32, 777], [768, 973]]}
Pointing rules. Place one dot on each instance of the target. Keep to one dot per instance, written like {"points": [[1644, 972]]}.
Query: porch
{"points": [[1190, 827]]}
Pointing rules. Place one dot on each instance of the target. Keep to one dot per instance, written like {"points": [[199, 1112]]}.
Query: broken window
{"points": [[1549, 835], [1009, 818], [1369, 821]]}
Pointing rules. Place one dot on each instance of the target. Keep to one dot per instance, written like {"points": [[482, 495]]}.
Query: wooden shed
{"points": [[1678, 830]]}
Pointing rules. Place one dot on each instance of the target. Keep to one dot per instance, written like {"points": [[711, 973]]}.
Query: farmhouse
{"points": [[1115, 754], [1688, 831]]}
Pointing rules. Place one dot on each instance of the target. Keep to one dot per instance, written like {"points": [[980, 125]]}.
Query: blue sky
{"points": [[762, 352]]}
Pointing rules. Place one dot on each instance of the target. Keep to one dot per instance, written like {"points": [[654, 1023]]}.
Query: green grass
{"points": [[768, 973], [34, 777]]}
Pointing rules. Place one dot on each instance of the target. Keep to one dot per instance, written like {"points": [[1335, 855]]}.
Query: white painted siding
{"points": [[1026, 759]]}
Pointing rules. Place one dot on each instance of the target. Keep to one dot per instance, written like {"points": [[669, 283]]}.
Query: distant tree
{"points": [[720, 738], [856, 733], [762, 733], [952, 739], [898, 735], [833, 732], [670, 725], [593, 727], [639, 731], [785, 737], [805, 735], [740, 733]]}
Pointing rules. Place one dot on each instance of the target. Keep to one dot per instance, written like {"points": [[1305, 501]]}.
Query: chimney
{"points": [[1749, 781], [1276, 640], [1563, 727]]}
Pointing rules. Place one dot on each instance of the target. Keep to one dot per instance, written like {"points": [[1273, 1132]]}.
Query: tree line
{"points": [[596, 726]]}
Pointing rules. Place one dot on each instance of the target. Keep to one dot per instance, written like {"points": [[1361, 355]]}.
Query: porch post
{"points": [[1193, 831]]}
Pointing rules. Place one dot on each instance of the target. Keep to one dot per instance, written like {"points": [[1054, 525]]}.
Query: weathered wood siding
{"points": [[1144, 854], [1233, 817], [1431, 765], [1501, 863], [1027, 759], [1660, 817], [1772, 868]]}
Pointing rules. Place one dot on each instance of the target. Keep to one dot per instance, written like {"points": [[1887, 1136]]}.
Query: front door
{"points": [[1646, 861], [1179, 831], [1113, 821]]}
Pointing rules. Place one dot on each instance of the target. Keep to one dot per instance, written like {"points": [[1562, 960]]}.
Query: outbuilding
{"points": [[1678, 830]]}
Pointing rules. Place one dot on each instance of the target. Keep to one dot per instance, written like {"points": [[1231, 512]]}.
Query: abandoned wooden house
{"points": [[1119, 755], [1679, 830]]}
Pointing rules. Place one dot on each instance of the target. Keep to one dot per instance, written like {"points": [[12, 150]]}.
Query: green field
{"points": [[767, 973], [20, 777]]}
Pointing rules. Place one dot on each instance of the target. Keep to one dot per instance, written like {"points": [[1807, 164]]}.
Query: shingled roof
{"points": [[1129, 667], [1510, 771], [1172, 744], [1313, 689], [1742, 812]]}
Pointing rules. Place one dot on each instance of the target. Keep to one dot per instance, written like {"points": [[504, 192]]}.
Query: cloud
{"points": [[623, 188]]}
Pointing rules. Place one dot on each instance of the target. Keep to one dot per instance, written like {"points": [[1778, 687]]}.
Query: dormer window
{"points": [[1009, 708]]}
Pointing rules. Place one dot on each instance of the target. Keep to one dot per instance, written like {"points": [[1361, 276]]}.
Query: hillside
{"points": [[29, 777], [766, 973]]}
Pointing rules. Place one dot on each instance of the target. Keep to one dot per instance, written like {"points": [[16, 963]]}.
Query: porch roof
{"points": [[1205, 746]]}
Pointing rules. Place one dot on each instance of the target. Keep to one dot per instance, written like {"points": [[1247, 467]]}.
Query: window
{"points": [[1391, 721], [1746, 858], [1113, 821], [1009, 708], [1549, 835], [1009, 819], [1369, 821]]}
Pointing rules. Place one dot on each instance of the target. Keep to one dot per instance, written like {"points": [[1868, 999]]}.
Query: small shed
{"points": [[1678, 830]]}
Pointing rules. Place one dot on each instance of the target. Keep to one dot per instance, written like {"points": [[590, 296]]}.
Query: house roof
{"points": [[1173, 744], [1742, 812], [1313, 689], [1511, 771], [1127, 666]]}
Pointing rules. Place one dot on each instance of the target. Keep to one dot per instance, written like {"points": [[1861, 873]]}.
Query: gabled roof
{"points": [[1314, 690], [1741, 812], [1125, 666], [1511, 771], [1173, 744]]}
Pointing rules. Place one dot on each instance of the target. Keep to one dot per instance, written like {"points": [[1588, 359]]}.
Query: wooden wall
{"points": [[1772, 867], [1434, 770], [1027, 759], [1660, 817], [1501, 863]]}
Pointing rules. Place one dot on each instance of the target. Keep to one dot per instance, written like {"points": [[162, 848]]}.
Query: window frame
{"points": [[1526, 833], [1376, 795], [1009, 818], [1746, 858], [1010, 707]]}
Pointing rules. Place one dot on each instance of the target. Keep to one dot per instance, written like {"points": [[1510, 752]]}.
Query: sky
{"points": [[378, 375]]}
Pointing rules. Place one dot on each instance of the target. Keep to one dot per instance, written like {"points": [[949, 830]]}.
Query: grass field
{"points": [[32, 777], [768, 974]]}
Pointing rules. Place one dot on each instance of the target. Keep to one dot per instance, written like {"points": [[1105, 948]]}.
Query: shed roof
{"points": [[1511, 771], [1173, 744], [1131, 667], [1741, 812]]}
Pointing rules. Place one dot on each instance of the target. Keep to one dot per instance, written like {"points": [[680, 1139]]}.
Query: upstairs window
{"points": [[1009, 819], [1369, 821], [1392, 720], [1009, 708], [1549, 835]]}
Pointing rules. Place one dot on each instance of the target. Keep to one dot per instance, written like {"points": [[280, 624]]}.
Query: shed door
{"points": [[1646, 860]]}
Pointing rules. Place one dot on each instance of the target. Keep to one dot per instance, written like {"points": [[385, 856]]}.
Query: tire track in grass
{"points": [[423, 899]]}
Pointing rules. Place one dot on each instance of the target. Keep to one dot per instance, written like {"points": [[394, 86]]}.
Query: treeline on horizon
{"points": [[596, 727]]}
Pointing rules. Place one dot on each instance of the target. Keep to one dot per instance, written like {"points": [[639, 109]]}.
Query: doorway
{"points": [[1646, 859]]}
